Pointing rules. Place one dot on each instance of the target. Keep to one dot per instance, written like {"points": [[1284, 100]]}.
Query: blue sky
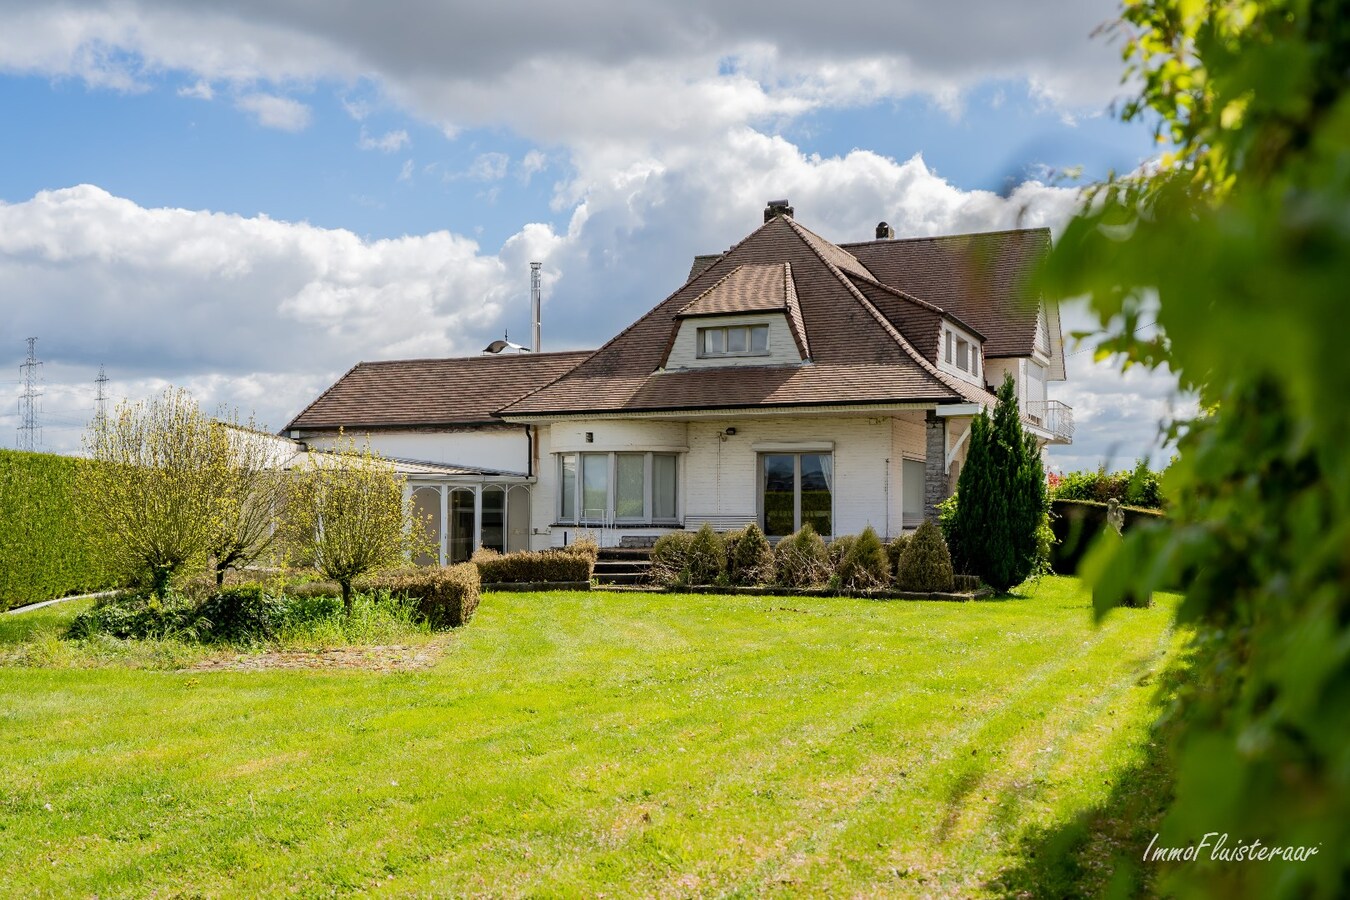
{"points": [[274, 193]]}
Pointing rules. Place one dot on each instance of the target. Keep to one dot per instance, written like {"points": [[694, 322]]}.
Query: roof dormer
{"points": [[750, 317]]}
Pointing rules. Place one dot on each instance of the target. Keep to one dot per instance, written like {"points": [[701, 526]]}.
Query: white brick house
{"points": [[789, 380]]}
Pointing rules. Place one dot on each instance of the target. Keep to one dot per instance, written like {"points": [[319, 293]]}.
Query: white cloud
{"points": [[531, 164], [488, 167], [201, 90], [389, 142], [272, 111], [406, 173]]}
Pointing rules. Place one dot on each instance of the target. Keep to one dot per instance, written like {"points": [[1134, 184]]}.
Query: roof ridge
{"points": [[431, 359], [328, 390], [794, 311], [905, 295], [803, 229], [712, 287], [944, 237], [932, 370]]}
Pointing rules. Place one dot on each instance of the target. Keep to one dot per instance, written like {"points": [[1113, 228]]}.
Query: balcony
{"points": [[1051, 416]]}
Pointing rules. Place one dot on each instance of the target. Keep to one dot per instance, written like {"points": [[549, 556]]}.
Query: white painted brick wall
{"points": [[500, 449]]}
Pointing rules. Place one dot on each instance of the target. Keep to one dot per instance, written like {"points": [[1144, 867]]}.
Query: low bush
{"points": [[926, 564], [839, 548], [749, 557], [312, 590], [533, 566], [707, 559], [670, 558], [584, 546], [893, 552], [138, 615], [801, 560], [241, 614], [446, 596], [864, 566]]}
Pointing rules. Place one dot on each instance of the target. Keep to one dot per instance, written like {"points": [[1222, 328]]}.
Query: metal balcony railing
{"points": [[1052, 416]]}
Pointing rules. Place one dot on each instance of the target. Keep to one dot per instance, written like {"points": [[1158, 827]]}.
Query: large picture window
{"points": [[796, 489], [597, 488]]}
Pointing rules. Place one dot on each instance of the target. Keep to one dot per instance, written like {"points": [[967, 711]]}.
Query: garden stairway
{"points": [[623, 566]]}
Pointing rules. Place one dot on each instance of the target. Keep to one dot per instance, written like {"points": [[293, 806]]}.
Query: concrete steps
{"points": [[627, 566]]}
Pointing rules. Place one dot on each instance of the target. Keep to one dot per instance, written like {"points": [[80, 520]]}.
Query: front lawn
{"points": [[577, 744]]}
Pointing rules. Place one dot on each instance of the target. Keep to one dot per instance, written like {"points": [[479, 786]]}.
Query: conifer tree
{"points": [[1001, 497]]}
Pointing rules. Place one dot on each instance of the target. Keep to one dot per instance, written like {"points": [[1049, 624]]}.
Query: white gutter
{"points": [[742, 412]]}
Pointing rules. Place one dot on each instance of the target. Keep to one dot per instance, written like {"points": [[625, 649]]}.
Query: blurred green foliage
{"points": [[1238, 241]]}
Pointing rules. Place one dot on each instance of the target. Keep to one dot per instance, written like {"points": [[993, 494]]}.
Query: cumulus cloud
{"points": [[571, 71], [201, 90], [272, 111]]}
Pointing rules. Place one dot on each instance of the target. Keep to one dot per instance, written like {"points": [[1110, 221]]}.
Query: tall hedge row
{"points": [[43, 550]]}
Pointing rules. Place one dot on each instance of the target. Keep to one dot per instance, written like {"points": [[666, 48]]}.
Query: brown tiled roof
{"points": [[745, 289], [981, 279], [419, 392], [701, 264], [858, 355]]}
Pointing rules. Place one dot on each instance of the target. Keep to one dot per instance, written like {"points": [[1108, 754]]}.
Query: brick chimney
{"points": [[777, 208]]}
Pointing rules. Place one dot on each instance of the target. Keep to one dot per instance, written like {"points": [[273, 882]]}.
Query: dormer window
{"points": [[960, 352], [733, 340]]}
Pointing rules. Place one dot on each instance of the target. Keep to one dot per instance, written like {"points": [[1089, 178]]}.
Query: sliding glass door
{"points": [[796, 489]]}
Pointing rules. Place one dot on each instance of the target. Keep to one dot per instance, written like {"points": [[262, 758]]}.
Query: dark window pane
{"points": [[817, 492], [461, 526], [736, 339], [779, 484], [568, 512], [759, 339], [494, 520]]}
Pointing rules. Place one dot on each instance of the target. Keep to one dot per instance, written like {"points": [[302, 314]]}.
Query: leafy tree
{"points": [[152, 501], [1002, 497], [252, 492], [1236, 245], [346, 509]]}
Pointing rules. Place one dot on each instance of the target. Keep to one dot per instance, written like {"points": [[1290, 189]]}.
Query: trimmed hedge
{"points": [[446, 596], [44, 552], [532, 567], [1077, 523], [1141, 487]]}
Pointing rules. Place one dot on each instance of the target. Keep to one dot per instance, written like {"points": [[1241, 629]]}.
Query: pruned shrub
{"points": [[926, 565], [584, 546], [446, 596], [801, 560], [240, 614], [865, 565], [670, 558], [839, 548], [749, 557], [312, 589], [533, 567], [707, 560], [893, 552], [137, 615]]}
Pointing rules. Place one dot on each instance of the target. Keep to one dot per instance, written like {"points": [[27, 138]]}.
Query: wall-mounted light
{"points": [[729, 432], [590, 437]]}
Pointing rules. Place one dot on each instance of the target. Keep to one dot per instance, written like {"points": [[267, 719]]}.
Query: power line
{"points": [[1136, 331], [30, 432]]}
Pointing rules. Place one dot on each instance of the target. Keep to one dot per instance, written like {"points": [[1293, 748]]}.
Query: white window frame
{"points": [[572, 516], [749, 328]]}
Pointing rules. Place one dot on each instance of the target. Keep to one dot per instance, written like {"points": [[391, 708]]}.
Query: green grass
{"points": [[578, 744]]}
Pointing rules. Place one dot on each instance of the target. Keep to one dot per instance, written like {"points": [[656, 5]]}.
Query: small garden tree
{"points": [[153, 500], [749, 557], [926, 564], [1002, 497], [347, 511], [707, 559], [865, 564], [801, 559], [252, 491]]}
